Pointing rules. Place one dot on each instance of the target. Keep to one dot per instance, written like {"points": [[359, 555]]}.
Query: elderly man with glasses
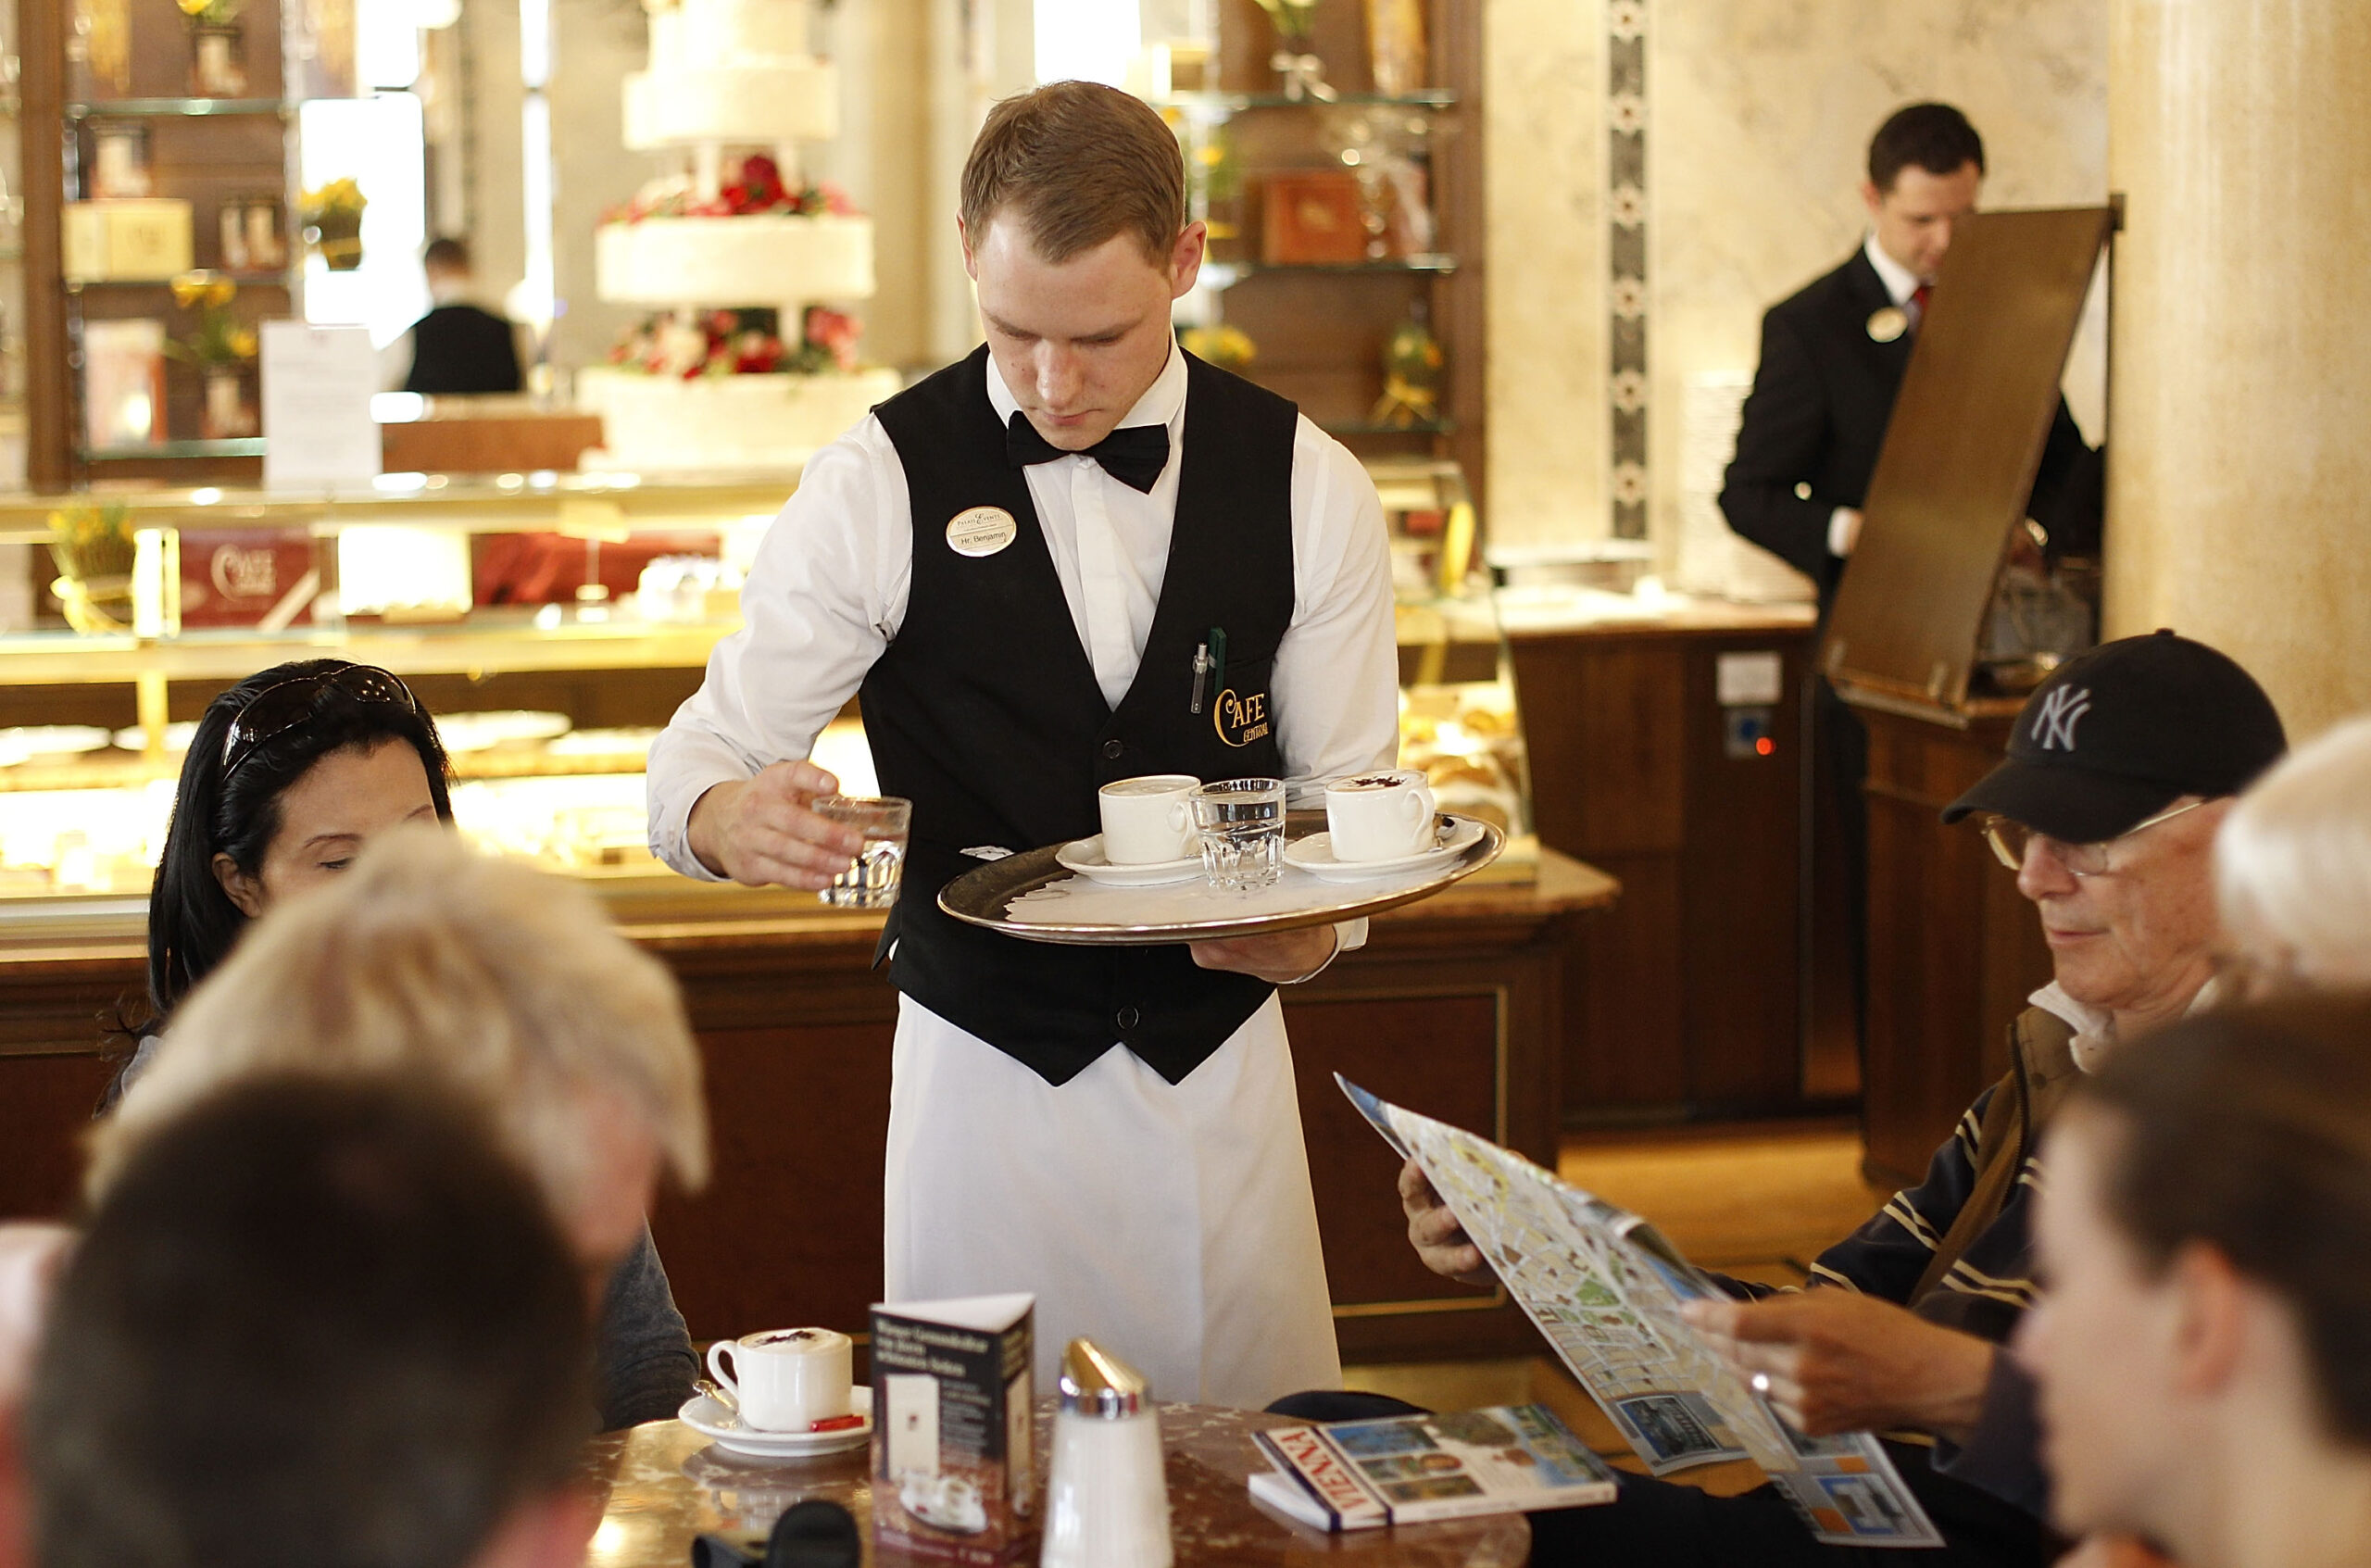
{"points": [[2119, 770]]}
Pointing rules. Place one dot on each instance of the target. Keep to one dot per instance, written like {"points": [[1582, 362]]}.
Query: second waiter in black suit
{"points": [[1833, 357]]}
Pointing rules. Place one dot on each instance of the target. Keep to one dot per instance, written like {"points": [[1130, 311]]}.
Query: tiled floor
{"points": [[1757, 1200]]}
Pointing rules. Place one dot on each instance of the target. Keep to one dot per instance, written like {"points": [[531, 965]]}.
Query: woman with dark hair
{"points": [[2203, 1349], [290, 771], [289, 774]]}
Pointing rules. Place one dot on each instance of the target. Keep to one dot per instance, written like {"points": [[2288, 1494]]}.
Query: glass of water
{"points": [[1241, 824], [870, 882]]}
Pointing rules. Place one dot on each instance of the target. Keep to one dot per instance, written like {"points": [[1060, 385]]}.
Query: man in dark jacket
{"points": [[1832, 361], [1833, 357], [457, 347], [2118, 772]]}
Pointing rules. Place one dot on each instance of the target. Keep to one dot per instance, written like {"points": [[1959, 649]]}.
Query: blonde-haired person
{"points": [[2293, 868], [514, 989]]}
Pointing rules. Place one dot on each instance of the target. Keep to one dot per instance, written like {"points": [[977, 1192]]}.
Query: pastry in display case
{"points": [[236, 581]]}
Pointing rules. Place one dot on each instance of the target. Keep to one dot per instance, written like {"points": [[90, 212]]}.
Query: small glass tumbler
{"points": [[1241, 824], [870, 882]]}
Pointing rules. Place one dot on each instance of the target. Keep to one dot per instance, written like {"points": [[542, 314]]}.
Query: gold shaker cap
{"points": [[1097, 1383]]}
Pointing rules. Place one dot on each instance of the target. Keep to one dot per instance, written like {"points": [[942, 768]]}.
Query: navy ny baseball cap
{"points": [[2122, 732]]}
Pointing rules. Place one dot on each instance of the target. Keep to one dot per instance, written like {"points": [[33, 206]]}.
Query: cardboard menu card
{"points": [[954, 1458]]}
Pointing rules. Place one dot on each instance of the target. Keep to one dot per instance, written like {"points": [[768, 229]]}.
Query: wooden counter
{"points": [[1455, 1006], [1721, 987]]}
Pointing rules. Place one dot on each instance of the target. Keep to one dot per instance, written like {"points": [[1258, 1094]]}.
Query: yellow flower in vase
{"points": [[1293, 19]]}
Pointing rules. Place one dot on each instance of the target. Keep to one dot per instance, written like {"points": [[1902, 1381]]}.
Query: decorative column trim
{"points": [[1626, 23]]}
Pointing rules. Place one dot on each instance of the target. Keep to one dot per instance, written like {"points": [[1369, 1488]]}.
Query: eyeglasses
{"points": [[287, 705], [2009, 839]]}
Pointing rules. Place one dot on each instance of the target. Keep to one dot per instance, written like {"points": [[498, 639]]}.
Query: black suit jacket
{"points": [[1816, 418]]}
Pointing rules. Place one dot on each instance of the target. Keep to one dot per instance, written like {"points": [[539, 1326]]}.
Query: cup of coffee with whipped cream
{"points": [[1379, 816], [784, 1379]]}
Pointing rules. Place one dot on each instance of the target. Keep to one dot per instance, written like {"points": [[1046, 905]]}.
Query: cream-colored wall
{"points": [[1758, 122], [2240, 481], [1543, 94]]}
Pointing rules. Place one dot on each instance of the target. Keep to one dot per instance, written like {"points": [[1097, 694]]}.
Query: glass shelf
{"points": [[188, 109], [1372, 427], [1221, 274], [247, 447], [244, 280], [1228, 102]]}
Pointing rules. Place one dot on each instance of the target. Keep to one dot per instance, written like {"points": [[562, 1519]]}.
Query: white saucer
{"points": [[1315, 853], [711, 1419], [1084, 856]]}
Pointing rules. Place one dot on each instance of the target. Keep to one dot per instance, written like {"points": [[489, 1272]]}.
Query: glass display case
{"points": [[455, 583]]}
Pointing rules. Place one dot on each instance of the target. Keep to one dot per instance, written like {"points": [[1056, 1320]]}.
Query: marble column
{"points": [[2240, 386]]}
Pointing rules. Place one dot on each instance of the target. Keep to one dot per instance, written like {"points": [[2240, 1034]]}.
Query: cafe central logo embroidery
{"points": [[1240, 719], [981, 530], [2053, 727]]}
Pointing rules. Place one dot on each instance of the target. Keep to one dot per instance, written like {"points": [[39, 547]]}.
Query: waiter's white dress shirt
{"points": [[1172, 1223]]}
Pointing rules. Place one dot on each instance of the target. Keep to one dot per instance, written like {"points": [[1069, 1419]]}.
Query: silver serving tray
{"points": [[983, 897]]}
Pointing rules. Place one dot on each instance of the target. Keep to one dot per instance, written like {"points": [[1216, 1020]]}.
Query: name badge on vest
{"points": [[981, 530], [1240, 719], [1888, 323]]}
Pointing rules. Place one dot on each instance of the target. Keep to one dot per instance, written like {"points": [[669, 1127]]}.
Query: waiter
{"points": [[1015, 561], [459, 346], [1832, 361], [1833, 357]]}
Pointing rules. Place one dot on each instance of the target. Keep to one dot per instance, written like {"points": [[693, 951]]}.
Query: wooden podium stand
{"points": [[1954, 949]]}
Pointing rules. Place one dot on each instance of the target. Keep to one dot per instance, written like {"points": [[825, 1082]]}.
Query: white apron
{"points": [[1171, 1224]]}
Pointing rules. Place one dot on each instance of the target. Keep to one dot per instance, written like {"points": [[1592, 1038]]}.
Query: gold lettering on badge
{"points": [[981, 530], [1240, 719]]}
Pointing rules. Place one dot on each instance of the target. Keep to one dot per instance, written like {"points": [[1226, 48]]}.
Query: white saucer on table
{"points": [[1314, 854], [712, 1418], [1085, 856]]}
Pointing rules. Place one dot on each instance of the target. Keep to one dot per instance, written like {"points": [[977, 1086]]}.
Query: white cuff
{"points": [[1840, 532], [1348, 936]]}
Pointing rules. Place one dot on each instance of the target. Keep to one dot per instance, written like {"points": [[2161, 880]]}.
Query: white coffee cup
{"points": [[788, 1378], [1379, 816], [1149, 821]]}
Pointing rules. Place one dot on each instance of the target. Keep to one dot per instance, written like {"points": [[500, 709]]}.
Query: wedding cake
{"points": [[740, 365]]}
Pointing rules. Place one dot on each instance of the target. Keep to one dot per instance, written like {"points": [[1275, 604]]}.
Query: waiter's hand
{"points": [[760, 831], [1434, 1232], [1841, 1361], [1279, 959]]}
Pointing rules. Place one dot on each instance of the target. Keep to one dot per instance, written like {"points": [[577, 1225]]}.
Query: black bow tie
{"points": [[1135, 456]]}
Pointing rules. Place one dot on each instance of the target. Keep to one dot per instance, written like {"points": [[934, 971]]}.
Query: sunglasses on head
{"points": [[288, 705]]}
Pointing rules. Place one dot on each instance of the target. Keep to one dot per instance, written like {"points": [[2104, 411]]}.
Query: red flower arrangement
{"points": [[755, 188], [690, 344]]}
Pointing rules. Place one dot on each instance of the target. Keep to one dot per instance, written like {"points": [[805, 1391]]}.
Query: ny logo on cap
{"points": [[2053, 727]]}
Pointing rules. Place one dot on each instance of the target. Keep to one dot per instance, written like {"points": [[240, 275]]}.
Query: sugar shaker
{"points": [[1107, 1501]]}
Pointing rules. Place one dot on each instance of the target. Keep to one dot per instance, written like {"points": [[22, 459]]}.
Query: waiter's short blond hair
{"points": [[1076, 163], [508, 986]]}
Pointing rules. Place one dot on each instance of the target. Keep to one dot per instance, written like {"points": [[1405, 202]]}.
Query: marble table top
{"points": [[668, 1484]]}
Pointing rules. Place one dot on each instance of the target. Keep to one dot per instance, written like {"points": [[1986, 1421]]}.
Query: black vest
{"points": [[461, 348], [985, 711]]}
